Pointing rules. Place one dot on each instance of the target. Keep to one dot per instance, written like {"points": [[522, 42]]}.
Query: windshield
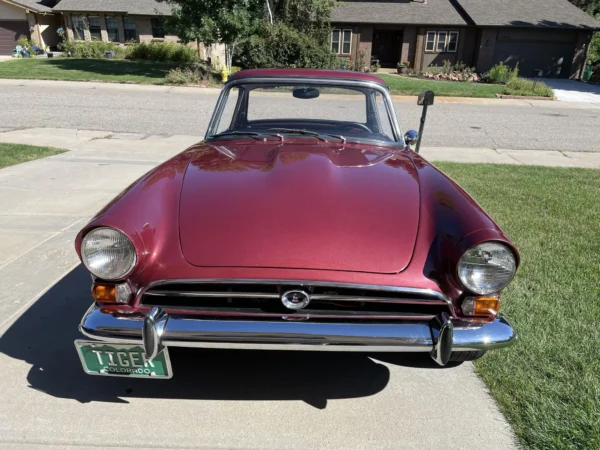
{"points": [[309, 110]]}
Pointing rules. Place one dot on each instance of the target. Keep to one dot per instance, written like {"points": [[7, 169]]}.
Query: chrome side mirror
{"points": [[410, 137]]}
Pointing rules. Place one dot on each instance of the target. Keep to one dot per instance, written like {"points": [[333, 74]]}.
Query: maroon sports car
{"points": [[303, 221]]}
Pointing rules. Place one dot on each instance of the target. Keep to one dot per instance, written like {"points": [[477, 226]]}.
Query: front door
{"points": [[387, 46]]}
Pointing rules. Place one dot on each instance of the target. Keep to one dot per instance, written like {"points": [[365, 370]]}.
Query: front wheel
{"points": [[466, 356]]}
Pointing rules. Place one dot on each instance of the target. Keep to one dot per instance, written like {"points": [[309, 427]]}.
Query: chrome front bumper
{"points": [[156, 330]]}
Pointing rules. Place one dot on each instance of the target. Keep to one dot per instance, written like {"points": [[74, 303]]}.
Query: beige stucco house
{"points": [[30, 18], [118, 21]]}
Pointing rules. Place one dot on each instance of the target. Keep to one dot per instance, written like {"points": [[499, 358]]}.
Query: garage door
{"points": [[10, 32], [548, 50]]}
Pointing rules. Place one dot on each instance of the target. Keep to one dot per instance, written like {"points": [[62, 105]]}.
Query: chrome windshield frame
{"points": [[215, 119]]}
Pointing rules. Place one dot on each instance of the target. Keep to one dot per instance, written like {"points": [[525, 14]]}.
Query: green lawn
{"points": [[117, 71], [548, 383], [11, 154], [412, 86]]}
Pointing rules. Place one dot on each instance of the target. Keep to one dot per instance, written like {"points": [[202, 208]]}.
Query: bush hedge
{"points": [[501, 74], [525, 87], [163, 51], [153, 51], [93, 49]]}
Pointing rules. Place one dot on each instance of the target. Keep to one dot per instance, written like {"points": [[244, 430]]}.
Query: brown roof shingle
{"points": [[431, 12], [139, 7], [528, 13]]}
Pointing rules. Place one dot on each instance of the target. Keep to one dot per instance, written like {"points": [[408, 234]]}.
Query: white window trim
{"points": [[434, 41], [437, 40], [341, 41], [448, 43]]}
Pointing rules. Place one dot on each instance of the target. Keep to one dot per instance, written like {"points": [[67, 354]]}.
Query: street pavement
{"points": [[165, 110], [217, 399]]}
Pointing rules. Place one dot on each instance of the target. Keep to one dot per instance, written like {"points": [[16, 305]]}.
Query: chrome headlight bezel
{"points": [[501, 259], [116, 266]]}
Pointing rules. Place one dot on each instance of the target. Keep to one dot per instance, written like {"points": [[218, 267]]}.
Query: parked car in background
{"points": [[303, 221]]}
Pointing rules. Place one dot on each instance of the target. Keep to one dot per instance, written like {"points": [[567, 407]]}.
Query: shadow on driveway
{"points": [[43, 337]]}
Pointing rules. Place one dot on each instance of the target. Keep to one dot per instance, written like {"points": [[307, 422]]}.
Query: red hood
{"points": [[299, 205]]}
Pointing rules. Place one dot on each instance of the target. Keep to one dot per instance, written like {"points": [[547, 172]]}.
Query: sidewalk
{"points": [[106, 145]]}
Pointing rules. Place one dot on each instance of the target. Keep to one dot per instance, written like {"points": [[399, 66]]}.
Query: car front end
{"points": [[294, 235]]}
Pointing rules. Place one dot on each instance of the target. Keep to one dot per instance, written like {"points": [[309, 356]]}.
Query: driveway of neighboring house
{"points": [[574, 91]]}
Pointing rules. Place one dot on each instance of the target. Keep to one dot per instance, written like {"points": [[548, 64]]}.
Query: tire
{"points": [[466, 356]]}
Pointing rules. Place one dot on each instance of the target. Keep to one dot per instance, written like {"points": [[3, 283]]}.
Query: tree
{"points": [[231, 22], [591, 7], [212, 21]]}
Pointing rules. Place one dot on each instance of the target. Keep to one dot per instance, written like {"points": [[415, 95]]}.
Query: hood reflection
{"points": [[264, 156]]}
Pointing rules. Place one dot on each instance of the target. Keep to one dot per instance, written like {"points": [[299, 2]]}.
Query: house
{"points": [[115, 20], [546, 37], [118, 21], [30, 18]]}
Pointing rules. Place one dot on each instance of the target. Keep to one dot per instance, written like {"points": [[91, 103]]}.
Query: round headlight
{"points": [[487, 268], [108, 253]]}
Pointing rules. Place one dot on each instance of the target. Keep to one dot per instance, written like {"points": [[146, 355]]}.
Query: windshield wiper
{"points": [[307, 133], [252, 134]]}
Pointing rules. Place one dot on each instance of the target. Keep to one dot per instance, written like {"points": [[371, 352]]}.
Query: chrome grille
{"points": [[261, 300]]}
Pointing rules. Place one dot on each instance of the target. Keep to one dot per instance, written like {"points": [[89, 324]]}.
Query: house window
{"points": [[341, 41], [452, 41], [441, 41], [129, 28], [158, 28], [95, 28], [112, 29], [430, 43], [78, 27]]}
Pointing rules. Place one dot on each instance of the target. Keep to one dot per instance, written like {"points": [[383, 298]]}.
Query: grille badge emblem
{"points": [[295, 299]]}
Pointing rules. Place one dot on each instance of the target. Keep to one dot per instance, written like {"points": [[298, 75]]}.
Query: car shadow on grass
{"points": [[43, 337]]}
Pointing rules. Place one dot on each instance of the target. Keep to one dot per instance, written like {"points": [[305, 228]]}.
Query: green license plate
{"points": [[122, 360]]}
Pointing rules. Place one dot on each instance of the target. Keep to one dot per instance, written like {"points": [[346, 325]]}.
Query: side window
{"points": [[335, 41], [452, 41], [385, 126], [441, 41], [158, 28], [341, 41], [95, 28], [78, 27], [430, 43], [129, 29], [112, 29], [227, 114]]}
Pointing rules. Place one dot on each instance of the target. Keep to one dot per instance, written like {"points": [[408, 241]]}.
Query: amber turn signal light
{"points": [[111, 293], [481, 306]]}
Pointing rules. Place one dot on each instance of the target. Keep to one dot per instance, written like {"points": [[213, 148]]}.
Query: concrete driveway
{"points": [[574, 91], [217, 399]]}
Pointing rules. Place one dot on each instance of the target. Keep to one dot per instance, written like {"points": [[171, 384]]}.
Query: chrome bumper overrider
{"points": [[439, 337]]}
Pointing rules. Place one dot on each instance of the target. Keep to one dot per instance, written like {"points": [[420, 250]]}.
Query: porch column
{"points": [[68, 28], [103, 31], [365, 45], [409, 43]]}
